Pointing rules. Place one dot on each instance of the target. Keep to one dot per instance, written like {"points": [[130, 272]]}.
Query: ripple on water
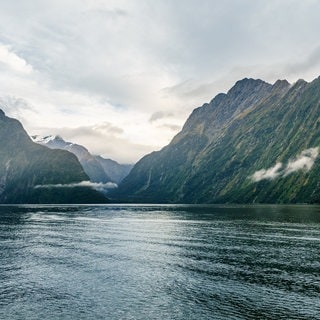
{"points": [[156, 262]]}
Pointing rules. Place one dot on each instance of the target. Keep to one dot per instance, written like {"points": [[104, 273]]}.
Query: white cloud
{"points": [[130, 61], [102, 187], [304, 161], [267, 174], [13, 61]]}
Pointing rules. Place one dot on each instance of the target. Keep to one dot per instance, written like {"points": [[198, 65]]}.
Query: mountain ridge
{"points": [[98, 169], [25, 165], [223, 143]]}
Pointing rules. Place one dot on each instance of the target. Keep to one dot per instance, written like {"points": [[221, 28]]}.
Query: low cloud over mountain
{"points": [[102, 187], [304, 161]]}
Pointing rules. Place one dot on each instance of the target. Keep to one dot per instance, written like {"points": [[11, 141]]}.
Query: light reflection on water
{"points": [[160, 262]]}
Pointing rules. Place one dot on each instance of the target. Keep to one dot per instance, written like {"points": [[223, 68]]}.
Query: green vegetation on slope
{"points": [[24, 165], [212, 160]]}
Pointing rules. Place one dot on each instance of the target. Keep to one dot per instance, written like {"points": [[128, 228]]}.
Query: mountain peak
{"points": [[47, 139], [247, 84], [2, 114], [281, 85], [97, 168], [57, 137], [300, 82]]}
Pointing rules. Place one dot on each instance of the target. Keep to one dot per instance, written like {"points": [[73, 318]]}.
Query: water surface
{"points": [[159, 262]]}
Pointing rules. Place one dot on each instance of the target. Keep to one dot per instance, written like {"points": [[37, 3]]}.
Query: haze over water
{"points": [[160, 262]]}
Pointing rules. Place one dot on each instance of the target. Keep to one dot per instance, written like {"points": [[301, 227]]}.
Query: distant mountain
{"points": [[97, 168], [31, 173], [91, 166], [258, 143], [117, 172]]}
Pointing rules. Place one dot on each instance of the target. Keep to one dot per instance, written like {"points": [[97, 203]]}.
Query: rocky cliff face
{"points": [[27, 170], [256, 144]]}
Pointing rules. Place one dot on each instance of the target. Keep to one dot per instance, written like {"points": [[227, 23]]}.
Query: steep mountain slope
{"points": [[257, 143], [90, 165], [24, 166], [97, 168]]}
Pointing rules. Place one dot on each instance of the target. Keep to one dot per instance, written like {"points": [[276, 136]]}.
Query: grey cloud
{"points": [[311, 61], [160, 115], [154, 36], [197, 92], [191, 89], [14, 103], [172, 127], [181, 88], [16, 107], [125, 52], [107, 127], [157, 36], [165, 31], [97, 130], [109, 13]]}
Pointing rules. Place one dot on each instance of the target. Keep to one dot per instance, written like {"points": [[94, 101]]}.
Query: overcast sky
{"points": [[121, 77]]}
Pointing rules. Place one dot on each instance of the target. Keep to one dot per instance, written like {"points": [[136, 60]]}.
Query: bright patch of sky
{"points": [[122, 76]]}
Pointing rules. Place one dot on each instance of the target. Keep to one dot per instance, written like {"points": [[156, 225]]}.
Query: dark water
{"points": [[159, 262]]}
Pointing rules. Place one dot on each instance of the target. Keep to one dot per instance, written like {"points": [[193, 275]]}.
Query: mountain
{"points": [[117, 172], [96, 167], [31, 173], [90, 165], [258, 143]]}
